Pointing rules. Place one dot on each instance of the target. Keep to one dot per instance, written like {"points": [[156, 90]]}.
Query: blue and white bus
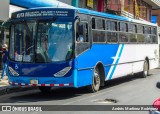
{"points": [[78, 47]]}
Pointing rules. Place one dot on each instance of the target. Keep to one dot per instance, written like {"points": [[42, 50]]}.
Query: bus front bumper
{"points": [[41, 81]]}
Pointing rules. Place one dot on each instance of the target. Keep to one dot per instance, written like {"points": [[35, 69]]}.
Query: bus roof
{"points": [[95, 13], [112, 16]]}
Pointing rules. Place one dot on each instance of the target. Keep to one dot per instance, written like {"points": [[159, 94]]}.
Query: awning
{"points": [[38, 3], [154, 3]]}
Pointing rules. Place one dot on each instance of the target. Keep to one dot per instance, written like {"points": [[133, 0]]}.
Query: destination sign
{"points": [[43, 13]]}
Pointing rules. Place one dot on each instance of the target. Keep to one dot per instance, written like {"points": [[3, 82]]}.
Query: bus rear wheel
{"points": [[145, 72], [44, 89], [94, 87]]}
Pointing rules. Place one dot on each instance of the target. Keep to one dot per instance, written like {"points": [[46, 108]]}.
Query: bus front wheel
{"points": [[94, 87], [44, 89]]}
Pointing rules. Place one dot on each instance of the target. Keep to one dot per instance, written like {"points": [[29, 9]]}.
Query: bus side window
{"points": [[108, 25], [100, 24], [82, 32], [123, 27], [153, 35], [139, 29], [153, 31], [86, 32], [114, 26], [93, 23], [82, 42], [98, 36], [123, 37], [112, 37]]}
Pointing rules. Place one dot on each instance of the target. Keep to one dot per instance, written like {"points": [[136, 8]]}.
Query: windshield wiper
{"points": [[27, 49]]}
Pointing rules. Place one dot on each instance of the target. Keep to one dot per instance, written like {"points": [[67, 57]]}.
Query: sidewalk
{"points": [[3, 82], [6, 88]]}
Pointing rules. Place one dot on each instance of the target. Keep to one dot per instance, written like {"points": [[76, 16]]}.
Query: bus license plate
{"points": [[34, 81]]}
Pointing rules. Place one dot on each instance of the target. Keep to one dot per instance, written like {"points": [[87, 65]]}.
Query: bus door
{"points": [[82, 37]]}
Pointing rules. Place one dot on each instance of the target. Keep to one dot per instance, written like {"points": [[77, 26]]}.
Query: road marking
{"points": [[87, 97]]}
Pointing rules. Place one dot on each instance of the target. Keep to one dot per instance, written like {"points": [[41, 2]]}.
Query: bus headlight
{"points": [[13, 72], [62, 72]]}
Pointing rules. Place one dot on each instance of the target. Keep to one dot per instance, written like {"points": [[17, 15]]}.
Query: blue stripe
{"points": [[75, 78], [34, 3], [114, 68]]}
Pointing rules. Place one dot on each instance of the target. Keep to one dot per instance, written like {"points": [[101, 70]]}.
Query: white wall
{"points": [[69, 2], [13, 8], [4, 9]]}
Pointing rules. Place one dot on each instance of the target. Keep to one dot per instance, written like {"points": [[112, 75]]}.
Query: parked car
{"points": [[156, 103]]}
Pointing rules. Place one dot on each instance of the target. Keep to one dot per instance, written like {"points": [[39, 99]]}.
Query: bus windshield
{"points": [[41, 41]]}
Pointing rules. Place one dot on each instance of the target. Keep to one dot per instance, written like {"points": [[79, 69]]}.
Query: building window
{"points": [[129, 2], [116, 1], [154, 19]]}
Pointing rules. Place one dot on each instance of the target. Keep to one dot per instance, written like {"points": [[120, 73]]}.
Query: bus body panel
{"points": [[126, 59], [87, 61], [44, 73], [84, 77], [133, 57], [40, 69], [41, 80], [70, 81]]}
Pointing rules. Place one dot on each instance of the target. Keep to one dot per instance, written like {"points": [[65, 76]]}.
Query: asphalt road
{"points": [[130, 90]]}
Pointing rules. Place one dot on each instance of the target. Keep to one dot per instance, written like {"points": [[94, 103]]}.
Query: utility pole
{"points": [[100, 5]]}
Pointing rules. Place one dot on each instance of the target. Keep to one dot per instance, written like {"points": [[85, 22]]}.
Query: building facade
{"points": [[140, 9], [156, 16], [130, 8]]}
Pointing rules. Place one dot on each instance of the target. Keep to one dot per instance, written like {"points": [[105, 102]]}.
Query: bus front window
{"points": [[22, 41], [41, 41], [54, 41]]}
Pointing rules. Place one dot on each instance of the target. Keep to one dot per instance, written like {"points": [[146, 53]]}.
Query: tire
{"points": [[145, 72], [44, 89], [94, 87], [158, 85]]}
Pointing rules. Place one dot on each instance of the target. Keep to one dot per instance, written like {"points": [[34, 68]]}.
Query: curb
{"points": [[11, 89]]}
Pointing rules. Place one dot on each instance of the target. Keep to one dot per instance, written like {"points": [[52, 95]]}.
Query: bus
{"points": [[75, 47]]}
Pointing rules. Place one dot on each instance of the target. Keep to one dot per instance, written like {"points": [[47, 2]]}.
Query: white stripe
{"points": [[56, 84], [37, 84], [66, 84], [47, 84], [23, 84], [115, 58]]}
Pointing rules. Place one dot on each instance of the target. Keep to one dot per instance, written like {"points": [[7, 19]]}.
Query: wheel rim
{"points": [[96, 80], [145, 68]]}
